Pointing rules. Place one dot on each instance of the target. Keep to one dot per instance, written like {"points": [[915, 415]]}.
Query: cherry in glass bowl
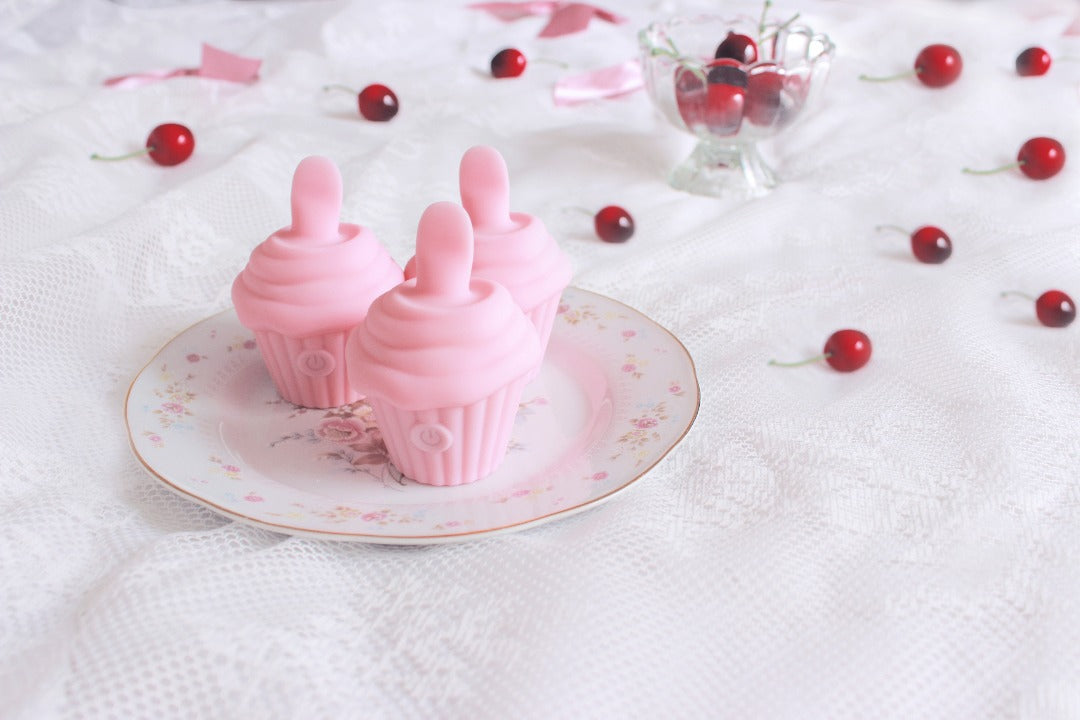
{"points": [[730, 103]]}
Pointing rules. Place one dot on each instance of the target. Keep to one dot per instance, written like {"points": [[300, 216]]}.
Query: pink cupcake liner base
{"points": [[308, 371], [450, 446]]}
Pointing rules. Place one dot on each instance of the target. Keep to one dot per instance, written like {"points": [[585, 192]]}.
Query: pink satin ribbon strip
{"points": [[216, 64], [603, 83], [510, 11], [1074, 27], [566, 17]]}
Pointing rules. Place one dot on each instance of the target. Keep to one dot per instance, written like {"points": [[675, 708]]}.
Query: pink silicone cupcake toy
{"points": [[308, 285], [512, 248], [443, 359]]}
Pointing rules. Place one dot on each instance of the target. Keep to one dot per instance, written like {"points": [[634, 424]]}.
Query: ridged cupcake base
{"points": [[450, 446], [308, 371]]}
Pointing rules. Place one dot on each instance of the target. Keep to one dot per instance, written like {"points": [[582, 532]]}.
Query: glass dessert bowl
{"points": [[769, 75]]}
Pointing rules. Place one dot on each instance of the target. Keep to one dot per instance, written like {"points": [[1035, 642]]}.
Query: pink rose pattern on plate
{"points": [[634, 366], [642, 432], [349, 438], [225, 468]]}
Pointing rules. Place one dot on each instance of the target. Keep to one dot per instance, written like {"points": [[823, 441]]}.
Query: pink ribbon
{"points": [[566, 17], [596, 84], [216, 64], [1074, 27]]}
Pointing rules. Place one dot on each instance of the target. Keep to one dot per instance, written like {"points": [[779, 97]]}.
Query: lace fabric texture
{"points": [[898, 542]]}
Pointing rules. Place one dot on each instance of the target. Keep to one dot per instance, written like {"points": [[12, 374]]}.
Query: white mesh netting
{"points": [[898, 542]]}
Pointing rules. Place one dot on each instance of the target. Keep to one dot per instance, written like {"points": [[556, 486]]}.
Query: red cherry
{"points": [[1033, 61], [845, 351], [690, 96], [508, 63], [167, 144], [935, 66], [763, 95], [725, 97], [378, 103], [170, 144], [738, 47], [613, 224], [938, 65], [929, 244], [1039, 158], [1053, 308], [726, 72]]}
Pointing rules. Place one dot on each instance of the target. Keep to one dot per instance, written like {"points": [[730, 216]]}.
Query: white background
{"points": [[898, 542]]}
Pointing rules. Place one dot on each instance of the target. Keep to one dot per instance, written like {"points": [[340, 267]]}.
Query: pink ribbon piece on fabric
{"points": [[216, 64], [1074, 27], [596, 84], [566, 17]]}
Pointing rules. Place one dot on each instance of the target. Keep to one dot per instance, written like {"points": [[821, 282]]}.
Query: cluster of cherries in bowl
{"points": [[738, 86]]}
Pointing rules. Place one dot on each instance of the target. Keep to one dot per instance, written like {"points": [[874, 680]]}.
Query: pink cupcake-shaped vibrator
{"points": [[308, 285], [512, 248], [443, 359]]}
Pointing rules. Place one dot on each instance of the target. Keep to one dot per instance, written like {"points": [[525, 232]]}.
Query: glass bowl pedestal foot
{"points": [[718, 169]]}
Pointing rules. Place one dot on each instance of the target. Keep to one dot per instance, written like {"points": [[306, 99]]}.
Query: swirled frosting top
{"points": [[444, 338], [318, 275], [514, 249]]}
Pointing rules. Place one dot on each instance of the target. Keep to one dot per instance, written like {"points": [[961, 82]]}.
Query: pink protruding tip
{"points": [[485, 189], [444, 251], [316, 201]]}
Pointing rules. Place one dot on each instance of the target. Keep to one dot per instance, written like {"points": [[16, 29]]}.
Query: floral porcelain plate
{"points": [[616, 392]]}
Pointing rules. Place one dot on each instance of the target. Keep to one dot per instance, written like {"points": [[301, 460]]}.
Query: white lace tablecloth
{"points": [[899, 542]]}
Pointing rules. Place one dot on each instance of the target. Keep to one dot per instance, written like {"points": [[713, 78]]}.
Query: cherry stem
{"points": [[670, 51], [761, 23], [114, 158], [781, 26], [691, 65], [888, 78], [345, 88], [1003, 168], [897, 228], [575, 208], [807, 361], [1017, 293]]}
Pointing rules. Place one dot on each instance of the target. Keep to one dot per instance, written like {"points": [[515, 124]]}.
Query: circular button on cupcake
{"points": [[431, 437], [315, 363]]}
